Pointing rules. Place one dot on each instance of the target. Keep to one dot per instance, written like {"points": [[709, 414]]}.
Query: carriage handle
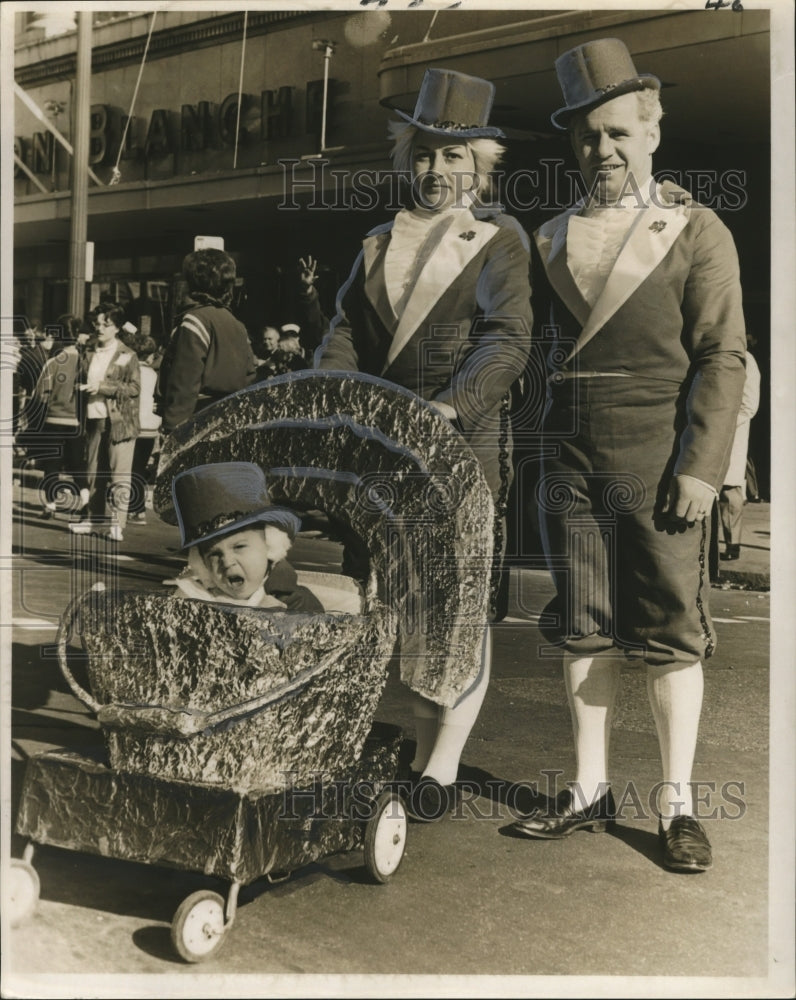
{"points": [[166, 720], [61, 636]]}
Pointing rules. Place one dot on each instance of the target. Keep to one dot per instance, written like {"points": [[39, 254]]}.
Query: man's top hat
{"points": [[454, 104], [213, 500], [596, 72]]}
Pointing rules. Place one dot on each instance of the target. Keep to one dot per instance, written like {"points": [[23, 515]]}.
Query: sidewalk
{"points": [[753, 570]]}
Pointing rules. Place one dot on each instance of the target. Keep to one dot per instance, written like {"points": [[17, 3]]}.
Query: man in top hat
{"points": [[641, 287], [438, 301]]}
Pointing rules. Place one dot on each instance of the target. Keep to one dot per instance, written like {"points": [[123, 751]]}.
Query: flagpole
{"points": [[81, 112]]}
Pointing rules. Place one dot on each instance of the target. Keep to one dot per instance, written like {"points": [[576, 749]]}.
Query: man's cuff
{"points": [[694, 479]]}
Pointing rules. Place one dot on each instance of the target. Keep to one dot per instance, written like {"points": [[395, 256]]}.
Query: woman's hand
{"points": [[445, 409], [91, 387]]}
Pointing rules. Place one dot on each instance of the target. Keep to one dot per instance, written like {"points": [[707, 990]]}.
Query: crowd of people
{"points": [[93, 397], [644, 390]]}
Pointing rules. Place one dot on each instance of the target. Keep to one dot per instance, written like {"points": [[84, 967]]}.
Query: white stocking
{"points": [[456, 723], [426, 715], [675, 695], [592, 684]]}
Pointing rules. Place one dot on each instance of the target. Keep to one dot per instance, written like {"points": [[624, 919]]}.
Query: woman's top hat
{"points": [[213, 500], [454, 104], [596, 72]]}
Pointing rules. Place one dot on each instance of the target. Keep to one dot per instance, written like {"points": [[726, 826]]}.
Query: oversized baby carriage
{"points": [[230, 732]]}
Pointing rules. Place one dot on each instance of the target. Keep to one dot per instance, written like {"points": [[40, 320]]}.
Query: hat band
{"points": [[208, 527], [452, 126]]}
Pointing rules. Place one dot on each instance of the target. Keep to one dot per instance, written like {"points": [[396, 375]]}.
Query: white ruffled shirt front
{"points": [[410, 232]]}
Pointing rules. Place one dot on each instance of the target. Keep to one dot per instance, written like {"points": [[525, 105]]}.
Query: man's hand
{"points": [[688, 500], [307, 272]]}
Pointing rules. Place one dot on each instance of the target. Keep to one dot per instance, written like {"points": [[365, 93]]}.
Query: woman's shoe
{"points": [[732, 552], [565, 818], [429, 801]]}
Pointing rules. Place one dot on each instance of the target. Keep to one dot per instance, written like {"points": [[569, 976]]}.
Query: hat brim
{"points": [[476, 132], [644, 81], [281, 516]]}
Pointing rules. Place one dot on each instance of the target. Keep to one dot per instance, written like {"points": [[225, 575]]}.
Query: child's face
{"points": [[238, 562]]}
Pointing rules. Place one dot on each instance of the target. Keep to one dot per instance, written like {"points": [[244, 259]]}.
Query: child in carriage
{"points": [[237, 540]]}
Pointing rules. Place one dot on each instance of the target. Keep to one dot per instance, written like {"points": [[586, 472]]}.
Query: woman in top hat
{"points": [[438, 301]]}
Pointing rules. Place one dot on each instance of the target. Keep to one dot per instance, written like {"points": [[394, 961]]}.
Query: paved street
{"points": [[468, 900]]}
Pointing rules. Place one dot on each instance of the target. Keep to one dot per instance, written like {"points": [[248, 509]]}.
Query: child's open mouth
{"points": [[235, 580]]}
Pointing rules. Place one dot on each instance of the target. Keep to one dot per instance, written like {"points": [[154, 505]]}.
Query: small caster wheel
{"points": [[23, 891], [198, 928], [385, 837]]}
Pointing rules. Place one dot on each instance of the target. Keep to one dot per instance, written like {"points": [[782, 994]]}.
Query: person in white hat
{"points": [[438, 301], [642, 287]]}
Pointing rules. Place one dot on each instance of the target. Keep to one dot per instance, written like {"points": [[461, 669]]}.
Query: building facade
{"points": [[213, 124]]}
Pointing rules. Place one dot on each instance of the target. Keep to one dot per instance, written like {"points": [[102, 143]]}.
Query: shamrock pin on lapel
{"points": [[469, 235], [658, 227]]}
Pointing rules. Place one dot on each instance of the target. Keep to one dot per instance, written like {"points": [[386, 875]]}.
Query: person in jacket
{"points": [[438, 301], [111, 390], [148, 437], [237, 540], [640, 287], [209, 354], [733, 493], [60, 441]]}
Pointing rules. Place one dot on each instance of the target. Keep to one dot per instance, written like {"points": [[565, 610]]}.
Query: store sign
{"points": [[205, 125]]}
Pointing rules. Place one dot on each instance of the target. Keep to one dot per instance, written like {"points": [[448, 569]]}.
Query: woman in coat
{"points": [[438, 302], [111, 388], [62, 435]]}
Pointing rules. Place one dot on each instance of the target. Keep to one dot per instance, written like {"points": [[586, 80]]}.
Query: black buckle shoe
{"points": [[565, 818], [429, 801], [686, 847]]}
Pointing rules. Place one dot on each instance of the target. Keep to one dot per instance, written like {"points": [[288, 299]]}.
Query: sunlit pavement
{"points": [[468, 900]]}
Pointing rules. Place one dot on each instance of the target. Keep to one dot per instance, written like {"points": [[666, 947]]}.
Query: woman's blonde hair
{"points": [[486, 152]]}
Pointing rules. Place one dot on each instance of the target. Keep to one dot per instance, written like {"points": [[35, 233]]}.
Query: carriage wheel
{"points": [[198, 927], [385, 837], [23, 894]]}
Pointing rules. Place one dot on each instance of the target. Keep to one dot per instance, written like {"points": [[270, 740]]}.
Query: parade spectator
{"points": [[34, 352], [112, 387], [286, 357], [149, 435], [314, 323], [209, 355], [438, 301], [733, 493], [290, 340], [60, 443], [641, 285], [270, 342]]}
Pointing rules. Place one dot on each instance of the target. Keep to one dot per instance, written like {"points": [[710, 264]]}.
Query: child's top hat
{"points": [[454, 104], [596, 72], [213, 500]]}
